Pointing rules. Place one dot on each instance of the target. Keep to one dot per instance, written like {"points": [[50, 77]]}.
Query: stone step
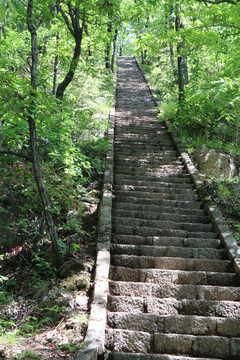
{"points": [[127, 341], [153, 189], [179, 324], [121, 161], [167, 207], [131, 214], [166, 241], [121, 155], [156, 232], [141, 251], [152, 227], [203, 346], [159, 202], [180, 292], [181, 178], [165, 276], [153, 184], [172, 306], [170, 262], [163, 194], [137, 356], [210, 346], [161, 169]]}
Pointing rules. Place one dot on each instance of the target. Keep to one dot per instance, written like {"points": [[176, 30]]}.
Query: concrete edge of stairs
{"points": [[212, 209], [95, 337]]}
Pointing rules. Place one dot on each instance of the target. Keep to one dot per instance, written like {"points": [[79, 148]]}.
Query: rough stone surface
{"points": [[215, 163]]}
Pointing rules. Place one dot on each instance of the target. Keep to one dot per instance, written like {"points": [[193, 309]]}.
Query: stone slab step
{"points": [[131, 214], [169, 207], [153, 189], [158, 170], [217, 347], [127, 341], [171, 263], [203, 346], [164, 230], [168, 195], [152, 202], [123, 163], [161, 276], [168, 251], [137, 356], [169, 179], [148, 231], [160, 224], [191, 292], [166, 241], [179, 324], [155, 184], [172, 306]]}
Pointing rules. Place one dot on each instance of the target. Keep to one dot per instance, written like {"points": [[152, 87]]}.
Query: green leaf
{"points": [[2, 9], [62, 244]]}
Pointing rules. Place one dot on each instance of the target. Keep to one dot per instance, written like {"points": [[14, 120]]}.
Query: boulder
{"points": [[213, 162]]}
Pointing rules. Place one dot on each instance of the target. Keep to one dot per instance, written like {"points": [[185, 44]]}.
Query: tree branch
{"points": [[16, 153], [65, 18], [216, 2], [209, 26]]}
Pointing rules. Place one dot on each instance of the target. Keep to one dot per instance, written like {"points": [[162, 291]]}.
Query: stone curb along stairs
{"points": [[93, 345]]}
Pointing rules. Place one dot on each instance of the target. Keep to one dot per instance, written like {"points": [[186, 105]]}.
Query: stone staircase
{"points": [[173, 293]]}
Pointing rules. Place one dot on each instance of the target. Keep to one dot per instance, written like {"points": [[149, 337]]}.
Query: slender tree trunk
{"points": [[178, 26], [33, 136], [77, 33], [56, 67], [114, 49], [108, 46], [185, 70], [172, 62]]}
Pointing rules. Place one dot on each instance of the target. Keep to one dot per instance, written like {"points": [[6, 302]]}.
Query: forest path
{"points": [[173, 294]]}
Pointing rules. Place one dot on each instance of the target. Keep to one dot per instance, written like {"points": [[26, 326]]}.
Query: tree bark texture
{"points": [[114, 49], [77, 32], [108, 46], [33, 136], [178, 26]]}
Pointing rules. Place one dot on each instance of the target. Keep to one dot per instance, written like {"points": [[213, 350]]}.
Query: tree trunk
{"points": [[114, 49], [108, 47], [178, 26], [33, 136], [172, 62], [77, 33], [73, 66], [56, 67]]}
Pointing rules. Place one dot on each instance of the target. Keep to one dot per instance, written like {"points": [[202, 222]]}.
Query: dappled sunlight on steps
{"points": [[173, 293]]}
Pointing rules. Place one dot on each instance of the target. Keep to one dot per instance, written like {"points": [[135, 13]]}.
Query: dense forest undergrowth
{"points": [[57, 68]]}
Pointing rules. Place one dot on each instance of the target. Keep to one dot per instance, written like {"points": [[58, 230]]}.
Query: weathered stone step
{"points": [[180, 292], [199, 346], [168, 195], [167, 208], [148, 231], [166, 241], [161, 216], [137, 356], [172, 306], [170, 262], [161, 276], [161, 184], [151, 227], [168, 178], [148, 163], [205, 346], [168, 251], [153, 202], [127, 341], [178, 324], [163, 169], [152, 188]]}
